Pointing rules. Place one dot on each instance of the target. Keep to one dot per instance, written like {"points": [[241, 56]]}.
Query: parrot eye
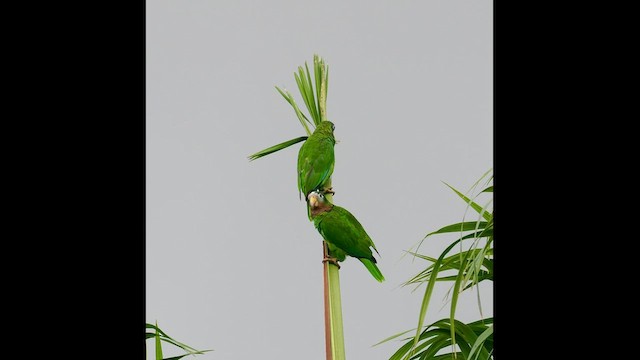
{"points": [[333, 127]]}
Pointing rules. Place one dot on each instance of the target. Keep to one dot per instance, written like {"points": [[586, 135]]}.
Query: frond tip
{"points": [[275, 148]]}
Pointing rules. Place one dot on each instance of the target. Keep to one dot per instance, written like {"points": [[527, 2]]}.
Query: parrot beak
{"points": [[313, 200]]}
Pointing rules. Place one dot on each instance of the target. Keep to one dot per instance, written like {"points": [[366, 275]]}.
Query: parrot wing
{"points": [[316, 161], [343, 230]]}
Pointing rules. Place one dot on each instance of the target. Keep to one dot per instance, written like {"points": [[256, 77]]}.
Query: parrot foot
{"points": [[332, 260], [328, 191]]}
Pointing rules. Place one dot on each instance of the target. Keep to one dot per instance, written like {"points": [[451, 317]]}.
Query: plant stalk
{"points": [[334, 334], [327, 306], [332, 310]]}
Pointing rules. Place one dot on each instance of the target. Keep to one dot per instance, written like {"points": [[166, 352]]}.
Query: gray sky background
{"points": [[232, 262]]}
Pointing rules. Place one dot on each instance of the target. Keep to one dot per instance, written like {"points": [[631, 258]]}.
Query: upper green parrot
{"points": [[316, 160], [343, 233]]}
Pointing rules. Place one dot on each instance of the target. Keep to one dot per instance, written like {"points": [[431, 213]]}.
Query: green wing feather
{"points": [[373, 269], [348, 234], [336, 252], [316, 158], [316, 161], [343, 231]]}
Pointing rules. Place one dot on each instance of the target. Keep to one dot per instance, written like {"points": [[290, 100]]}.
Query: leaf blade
{"points": [[471, 203], [459, 227], [299, 113], [277, 147]]}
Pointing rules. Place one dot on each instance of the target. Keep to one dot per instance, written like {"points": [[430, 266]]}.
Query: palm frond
{"points": [[436, 343], [303, 79], [287, 96], [321, 72], [480, 209], [275, 148], [465, 268], [315, 101], [160, 336]]}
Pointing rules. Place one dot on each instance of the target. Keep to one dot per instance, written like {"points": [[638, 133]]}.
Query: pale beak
{"points": [[313, 200]]}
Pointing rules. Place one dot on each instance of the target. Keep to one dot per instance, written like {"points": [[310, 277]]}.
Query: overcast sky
{"points": [[232, 262]]}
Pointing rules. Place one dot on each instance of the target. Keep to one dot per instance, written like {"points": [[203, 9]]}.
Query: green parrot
{"points": [[316, 160], [343, 233]]}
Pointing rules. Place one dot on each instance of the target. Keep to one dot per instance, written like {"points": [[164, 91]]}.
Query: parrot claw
{"points": [[334, 261], [328, 191]]}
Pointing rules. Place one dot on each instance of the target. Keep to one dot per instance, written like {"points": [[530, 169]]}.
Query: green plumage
{"points": [[344, 234], [316, 159]]}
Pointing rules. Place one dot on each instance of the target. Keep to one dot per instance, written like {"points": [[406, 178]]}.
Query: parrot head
{"points": [[326, 128], [318, 203]]}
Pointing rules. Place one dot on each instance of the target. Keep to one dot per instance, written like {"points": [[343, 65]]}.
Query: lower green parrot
{"points": [[343, 233]]}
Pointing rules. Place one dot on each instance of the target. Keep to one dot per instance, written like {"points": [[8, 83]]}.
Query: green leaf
{"points": [[318, 73], [429, 290], [306, 90], [436, 338], [452, 262], [277, 147], [488, 264], [449, 356], [287, 96], [401, 351], [442, 342], [321, 72], [392, 337], [151, 326], [470, 267], [299, 113], [428, 336], [479, 234], [162, 336], [475, 206], [474, 266], [458, 227], [177, 357], [481, 325], [480, 340], [311, 95], [454, 298]]}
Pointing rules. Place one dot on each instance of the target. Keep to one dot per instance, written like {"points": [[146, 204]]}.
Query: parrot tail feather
{"points": [[373, 269]]}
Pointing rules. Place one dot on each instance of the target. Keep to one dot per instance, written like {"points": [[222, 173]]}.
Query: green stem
{"points": [[158, 344], [327, 306], [333, 312], [333, 304]]}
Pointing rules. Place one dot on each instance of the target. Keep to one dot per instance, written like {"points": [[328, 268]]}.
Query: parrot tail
{"points": [[373, 269]]}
